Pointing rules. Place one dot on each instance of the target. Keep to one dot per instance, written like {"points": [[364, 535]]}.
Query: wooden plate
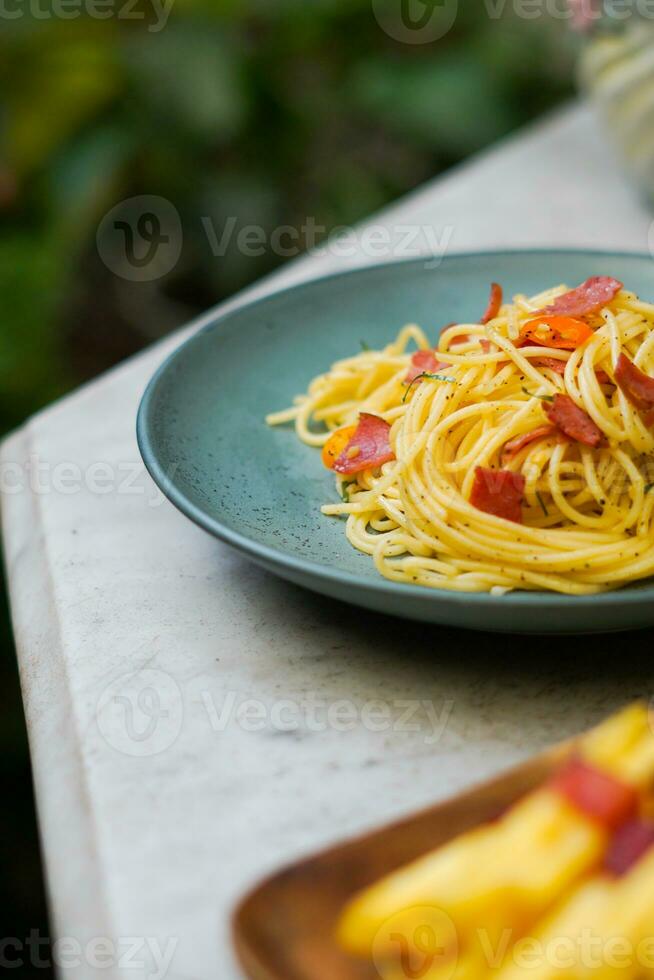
{"points": [[284, 929]]}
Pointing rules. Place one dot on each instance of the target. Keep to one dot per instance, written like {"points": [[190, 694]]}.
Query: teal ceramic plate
{"points": [[202, 434]]}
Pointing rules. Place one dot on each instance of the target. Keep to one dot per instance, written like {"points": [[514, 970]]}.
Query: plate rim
{"points": [[269, 555]]}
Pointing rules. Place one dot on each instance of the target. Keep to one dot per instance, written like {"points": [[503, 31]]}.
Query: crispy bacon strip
{"points": [[483, 343], [423, 362], [514, 446], [629, 844], [494, 303], [550, 362], [559, 366], [573, 421], [590, 297], [603, 798], [637, 386], [498, 492], [368, 447], [493, 308]]}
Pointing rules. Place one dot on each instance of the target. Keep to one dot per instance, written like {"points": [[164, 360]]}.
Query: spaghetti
{"points": [[519, 454]]}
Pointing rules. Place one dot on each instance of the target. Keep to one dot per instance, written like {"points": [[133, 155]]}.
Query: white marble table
{"points": [[277, 719]]}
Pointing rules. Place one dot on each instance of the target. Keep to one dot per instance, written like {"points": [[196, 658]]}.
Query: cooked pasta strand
{"points": [[588, 514]]}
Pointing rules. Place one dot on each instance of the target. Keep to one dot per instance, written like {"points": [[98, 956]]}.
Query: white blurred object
{"points": [[617, 71]]}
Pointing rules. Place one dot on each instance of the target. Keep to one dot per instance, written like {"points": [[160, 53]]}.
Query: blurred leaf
{"points": [[226, 208], [55, 89], [84, 179], [271, 112], [32, 282], [201, 91], [454, 103]]}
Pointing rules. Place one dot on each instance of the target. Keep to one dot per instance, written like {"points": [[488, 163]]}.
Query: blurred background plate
{"points": [[203, 437], [285, 928]]}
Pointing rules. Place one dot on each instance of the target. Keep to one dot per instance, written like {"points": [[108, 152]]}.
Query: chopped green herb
{"points": [[364, 345], [648, 487], [542, 504], [429, 377], [345, 491], [544, 398]]}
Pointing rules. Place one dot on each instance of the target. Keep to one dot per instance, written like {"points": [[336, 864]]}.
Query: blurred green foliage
{"points": [[270, 111]]}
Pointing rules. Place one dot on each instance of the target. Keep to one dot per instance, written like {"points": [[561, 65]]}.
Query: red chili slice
{"points": [[573, 421], [423, 362], [335, 445], [628, 845], [560, 332], [498, 492], [494, 303], [513, 447], [637, 386], [598, 794], [368, 447], [590, 297]]}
